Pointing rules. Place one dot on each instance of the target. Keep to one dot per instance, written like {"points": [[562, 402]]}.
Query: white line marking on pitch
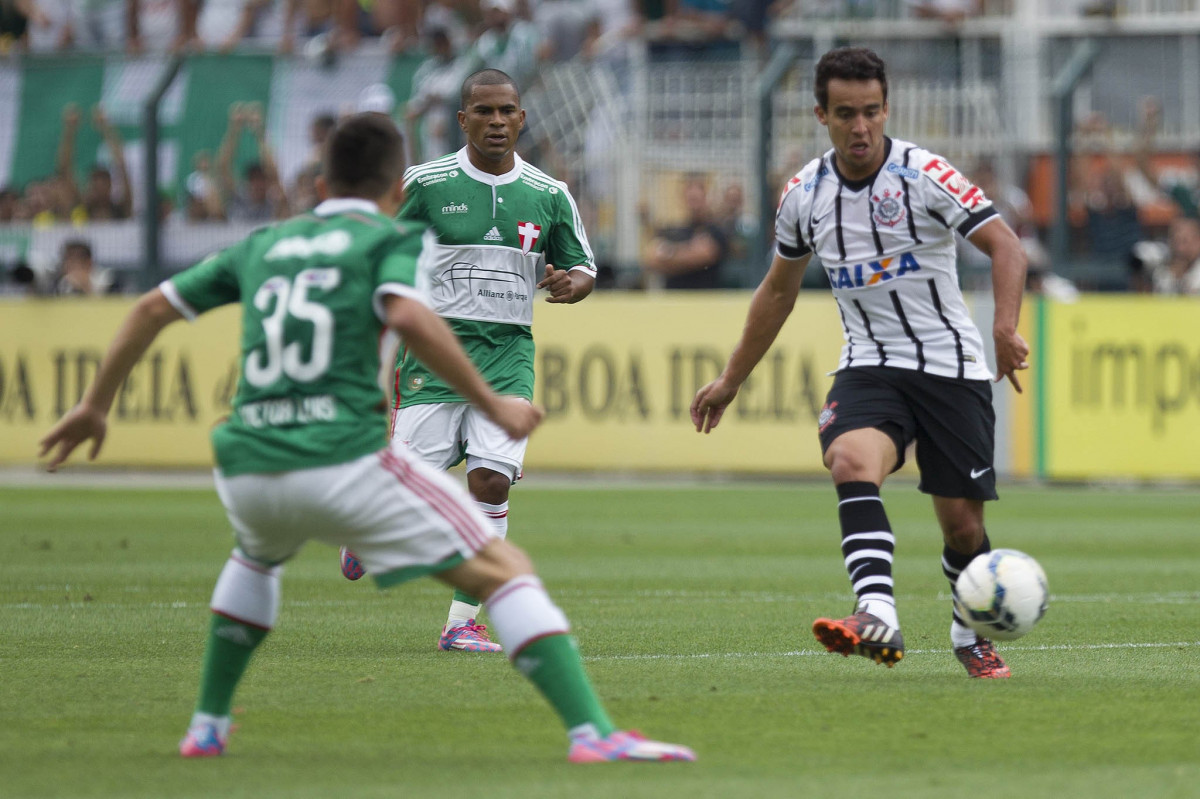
{"points": [[811, 652]]}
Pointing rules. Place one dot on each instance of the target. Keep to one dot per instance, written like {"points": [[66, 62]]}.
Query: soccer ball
{"points": [[1002, 594]]}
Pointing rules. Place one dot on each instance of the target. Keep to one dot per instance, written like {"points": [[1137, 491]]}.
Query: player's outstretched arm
{"points": [[432, 341], [566, 285], [1000, 243], [772, 304], [87, 420]]}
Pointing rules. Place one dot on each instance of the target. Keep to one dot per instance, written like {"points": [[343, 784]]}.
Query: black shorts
{"points": [[951, 420]]}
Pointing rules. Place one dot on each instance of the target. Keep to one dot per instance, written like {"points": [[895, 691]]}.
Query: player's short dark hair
{"points": [[80, 247], [848, 63], [487, 77], [364, 156]]}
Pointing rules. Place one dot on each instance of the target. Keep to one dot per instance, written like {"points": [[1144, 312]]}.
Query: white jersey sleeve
{"points": [[950, 197], [793, 236]]}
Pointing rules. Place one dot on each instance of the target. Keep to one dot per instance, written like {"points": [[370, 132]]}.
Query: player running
{"points": [[881, 213], [505, 229], [303, 454]]}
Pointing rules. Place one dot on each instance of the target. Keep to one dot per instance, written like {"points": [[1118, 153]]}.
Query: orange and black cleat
{"points": [[861, 634], [982, 660]]}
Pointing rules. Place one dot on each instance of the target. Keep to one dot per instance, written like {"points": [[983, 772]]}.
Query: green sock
{"points": [[463, 596], [553, 665], [230, 645]]}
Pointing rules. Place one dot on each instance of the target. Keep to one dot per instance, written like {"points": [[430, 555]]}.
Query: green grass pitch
{"points": [[692, 606]]}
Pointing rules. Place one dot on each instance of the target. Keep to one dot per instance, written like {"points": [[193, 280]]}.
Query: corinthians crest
{"points": [[889, 209]]}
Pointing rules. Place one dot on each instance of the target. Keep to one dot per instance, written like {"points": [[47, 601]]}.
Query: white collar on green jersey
{"points": [[343, 205], [484, 177]]}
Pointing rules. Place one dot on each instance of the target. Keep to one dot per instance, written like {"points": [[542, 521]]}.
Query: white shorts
{"points": [[442, 434], [402, 518]]}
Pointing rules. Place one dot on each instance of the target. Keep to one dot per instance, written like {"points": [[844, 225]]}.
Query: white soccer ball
{"points": [[1002, 594]]}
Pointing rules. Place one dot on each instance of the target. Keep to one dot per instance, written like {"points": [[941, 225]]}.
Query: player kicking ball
{"points": [[882, 213], [303, 455]]}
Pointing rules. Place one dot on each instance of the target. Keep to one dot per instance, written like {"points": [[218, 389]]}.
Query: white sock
{"points": [[497, 515], [463, 612], [247, 591], [523, 612], [880, 607], [961, 635], [222, 723]]}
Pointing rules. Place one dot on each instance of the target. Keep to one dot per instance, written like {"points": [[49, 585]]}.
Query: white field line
{"points": [[812, 652], [589, 597]]}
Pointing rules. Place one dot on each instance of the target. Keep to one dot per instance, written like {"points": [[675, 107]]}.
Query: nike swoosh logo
{"points": [[977, 473], [817, 221]]}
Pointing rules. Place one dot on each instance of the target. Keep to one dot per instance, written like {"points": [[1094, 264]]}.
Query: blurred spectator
{"points": [[1177, 271], [259, 197], [430, 118], [508, 43], [952, 12], [136, 26], [15, 18], [564, 27], [737, 225], [78, 273], [690, 255], [202, 197], [318, 131], [1108, 192], [10, 205], [100, 200], [446, 15], [1182, 186]]}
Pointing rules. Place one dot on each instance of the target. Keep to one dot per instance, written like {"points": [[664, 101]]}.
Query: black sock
{"points": [[867, 542]]}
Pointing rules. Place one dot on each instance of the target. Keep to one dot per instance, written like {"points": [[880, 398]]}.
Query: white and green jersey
{"points": [[495, 234], [311, 290]]}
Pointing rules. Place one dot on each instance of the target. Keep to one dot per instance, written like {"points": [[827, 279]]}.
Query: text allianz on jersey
{"points": [[887, 244]]}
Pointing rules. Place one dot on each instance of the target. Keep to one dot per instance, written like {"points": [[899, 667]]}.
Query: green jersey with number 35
{"points": [[311, 290], [495, 235]]}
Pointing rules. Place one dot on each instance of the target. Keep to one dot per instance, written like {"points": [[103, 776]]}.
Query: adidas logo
{"points": [[493, 235]]}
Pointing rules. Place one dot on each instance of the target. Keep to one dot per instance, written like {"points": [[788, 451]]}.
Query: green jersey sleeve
{"points": [[209, 284], [568, 246], [403, 267]]}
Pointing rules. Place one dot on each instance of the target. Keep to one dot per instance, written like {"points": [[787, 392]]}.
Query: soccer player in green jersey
{"points": [[505, 229], [304, 454]]}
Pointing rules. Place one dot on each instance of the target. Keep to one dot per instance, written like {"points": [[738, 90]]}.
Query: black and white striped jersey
{"points": [[887, 244]]}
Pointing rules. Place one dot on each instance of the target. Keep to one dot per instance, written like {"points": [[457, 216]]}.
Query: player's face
{"points": [[492, 120], [855, 117]]}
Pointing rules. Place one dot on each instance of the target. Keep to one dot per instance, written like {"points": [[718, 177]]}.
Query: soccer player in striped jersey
{"points": [[882, 214], [505, 229], [304, 455]]}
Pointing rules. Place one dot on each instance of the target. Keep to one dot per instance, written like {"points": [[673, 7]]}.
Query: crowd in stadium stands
{"points": [[1124, 207]]}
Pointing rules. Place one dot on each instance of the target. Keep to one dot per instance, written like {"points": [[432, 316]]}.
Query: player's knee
{"points": [[963, 533], [489, 486], [496, 564], [846, 465]]}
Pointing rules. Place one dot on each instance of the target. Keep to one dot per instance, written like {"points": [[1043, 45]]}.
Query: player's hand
{"points": [[516, 416], [1011, 356], [710, 403], [560, 284], [80, 424]]}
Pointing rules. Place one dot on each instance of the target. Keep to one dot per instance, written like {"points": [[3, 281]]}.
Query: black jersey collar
{"points": [[858, 185]]}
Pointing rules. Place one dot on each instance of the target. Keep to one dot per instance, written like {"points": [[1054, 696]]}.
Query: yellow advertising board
{"points": [[1121, 388], [616, 375], [49, 351]]}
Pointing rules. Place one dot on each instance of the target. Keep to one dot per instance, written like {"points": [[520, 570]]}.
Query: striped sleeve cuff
{"points": [[177, 302], [792, 253], [976, 221]]}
